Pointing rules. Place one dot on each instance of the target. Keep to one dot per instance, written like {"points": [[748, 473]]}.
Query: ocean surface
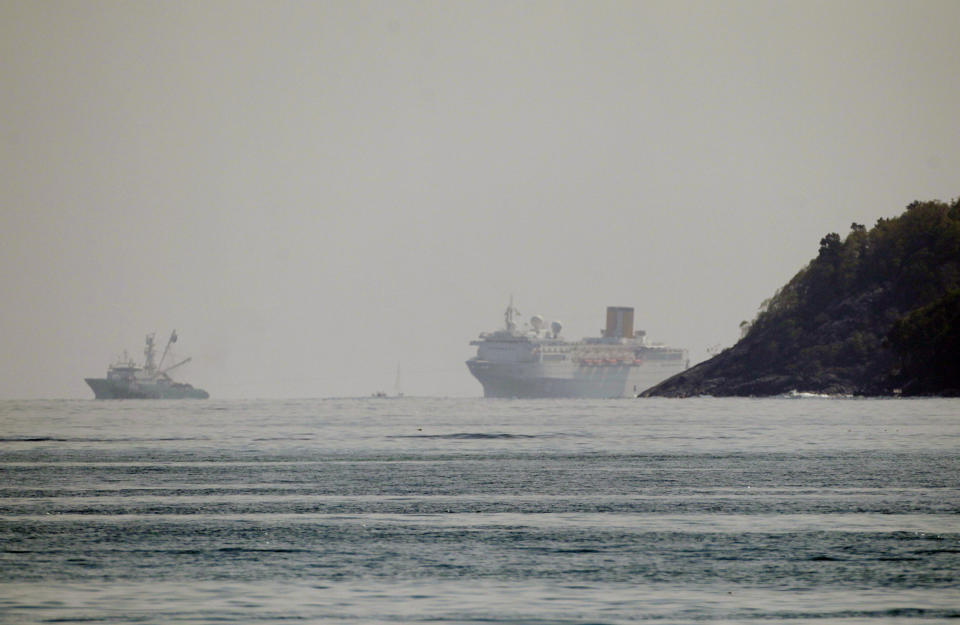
{"points": [[442, 511]]}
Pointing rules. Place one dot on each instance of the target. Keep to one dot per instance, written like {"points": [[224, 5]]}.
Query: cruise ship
{"points": [[537, 362]]}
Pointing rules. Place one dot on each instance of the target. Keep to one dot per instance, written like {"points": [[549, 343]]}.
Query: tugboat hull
{"points": [[110, 389]]}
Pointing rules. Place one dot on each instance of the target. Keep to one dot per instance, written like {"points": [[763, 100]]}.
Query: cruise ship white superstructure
{"points": [[536, 361]]}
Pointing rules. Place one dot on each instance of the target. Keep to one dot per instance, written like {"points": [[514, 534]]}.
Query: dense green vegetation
{"points": [[874, 313], [927, 342]]}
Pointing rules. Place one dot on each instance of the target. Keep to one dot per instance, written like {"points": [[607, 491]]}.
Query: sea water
{"points": [[480, 511]]}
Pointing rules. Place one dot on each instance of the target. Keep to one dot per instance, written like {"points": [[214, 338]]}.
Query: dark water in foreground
{"points": [[472, 511]]}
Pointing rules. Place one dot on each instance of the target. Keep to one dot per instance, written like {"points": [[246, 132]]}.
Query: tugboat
{"points": [[126, 380]]}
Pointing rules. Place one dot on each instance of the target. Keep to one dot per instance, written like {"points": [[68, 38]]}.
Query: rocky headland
{"points": [[876, 313]]}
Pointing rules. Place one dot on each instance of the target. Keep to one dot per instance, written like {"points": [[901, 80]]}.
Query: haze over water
{"points": [[312, 192], [468, 510]]}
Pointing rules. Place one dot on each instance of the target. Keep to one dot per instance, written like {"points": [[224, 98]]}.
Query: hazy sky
{"points": [[314, 192]]}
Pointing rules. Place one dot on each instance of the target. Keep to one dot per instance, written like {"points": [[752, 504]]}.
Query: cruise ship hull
{"points": [[569, 380], [118, 389]]}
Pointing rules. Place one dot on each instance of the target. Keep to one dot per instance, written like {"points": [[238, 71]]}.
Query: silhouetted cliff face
{"points": [[873, 314]]}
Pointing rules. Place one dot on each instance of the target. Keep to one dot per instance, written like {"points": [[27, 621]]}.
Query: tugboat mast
{"points": [[172, 339], [148, 365]]}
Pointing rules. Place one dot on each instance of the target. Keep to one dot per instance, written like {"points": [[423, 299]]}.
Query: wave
{"points": [[478, 436], [81, 439]]}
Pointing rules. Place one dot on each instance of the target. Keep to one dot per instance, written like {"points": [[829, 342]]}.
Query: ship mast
{"points": [[508, 316], [172, 339], [397, 388], [172, 367], [148, 364]]}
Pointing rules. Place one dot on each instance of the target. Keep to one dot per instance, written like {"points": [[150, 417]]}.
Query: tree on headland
{"points": [[927, 342], [870, 314]]}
